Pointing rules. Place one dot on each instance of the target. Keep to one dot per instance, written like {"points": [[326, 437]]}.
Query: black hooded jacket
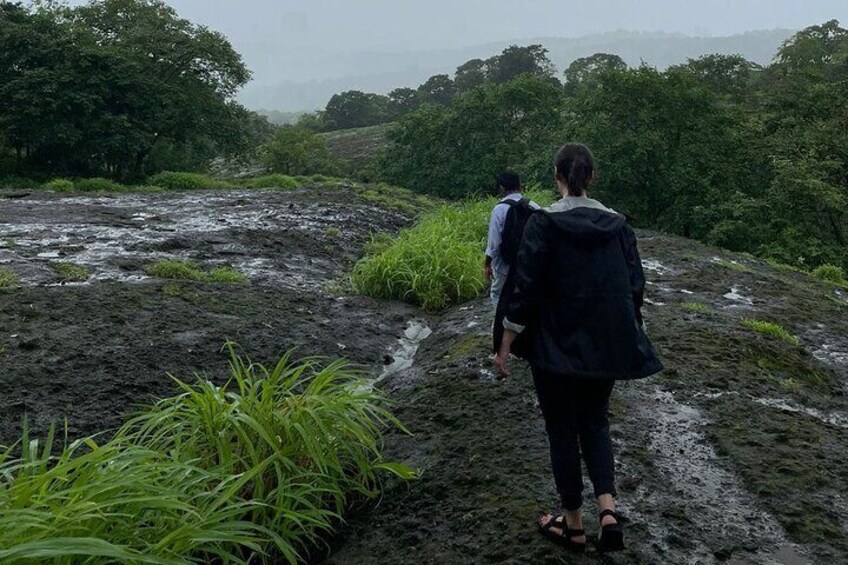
{"points": [[576, 291]]}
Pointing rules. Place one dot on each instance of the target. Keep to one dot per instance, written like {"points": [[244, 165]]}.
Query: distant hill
{"points": [[382, 72]]}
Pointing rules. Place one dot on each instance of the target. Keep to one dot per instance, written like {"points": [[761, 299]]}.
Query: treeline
{"points": [[719, 149], [117, 88], [354, 109]]}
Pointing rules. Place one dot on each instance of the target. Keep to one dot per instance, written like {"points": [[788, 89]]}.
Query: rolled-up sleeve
{"points": [[530, 269], [496, 225]]}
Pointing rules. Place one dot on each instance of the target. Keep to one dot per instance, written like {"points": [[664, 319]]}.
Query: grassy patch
{"points": [[98, 185], [733, 266], [60, 185], [434, 264], [70, 272], [8, 278], [697, 307], [273, 181], [830, 273], [186, 181], [255, 471], [176, 269], [770, 329], [333, 232]]}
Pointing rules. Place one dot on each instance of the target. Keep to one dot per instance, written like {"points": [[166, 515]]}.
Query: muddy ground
{"points": [[734, 455]]}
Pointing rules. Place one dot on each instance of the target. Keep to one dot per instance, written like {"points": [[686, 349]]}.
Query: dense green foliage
{"points": [[356, 109], [436, 263], [117, 88], [297, 151], [185, 181], [256, 471], [719, 149]]}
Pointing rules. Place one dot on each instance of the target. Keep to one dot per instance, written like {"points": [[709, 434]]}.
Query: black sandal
{"points": [[563, 539], [611, 537]]}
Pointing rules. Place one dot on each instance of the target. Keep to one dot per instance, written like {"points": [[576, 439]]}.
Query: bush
{"points": [[255, 471], [274, 181], [60, 185], [770, 329], [185, 181], [436, 263], [18, 182], [830, 273], [97, 184]]}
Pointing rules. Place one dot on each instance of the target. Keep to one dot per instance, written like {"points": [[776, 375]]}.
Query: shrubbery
{"points": [[185, 181], [273, 181], [256, 471], [60, 185], [830, 273], [436, 263], [98, 185]]}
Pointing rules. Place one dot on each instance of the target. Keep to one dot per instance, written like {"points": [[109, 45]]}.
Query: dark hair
{"points": [[510, 181], [575, 166]]}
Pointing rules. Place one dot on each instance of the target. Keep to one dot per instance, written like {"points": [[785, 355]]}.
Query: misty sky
{"points": [[308, 40]]}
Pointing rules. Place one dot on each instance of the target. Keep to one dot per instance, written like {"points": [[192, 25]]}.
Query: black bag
{"points": [[519, 212]]}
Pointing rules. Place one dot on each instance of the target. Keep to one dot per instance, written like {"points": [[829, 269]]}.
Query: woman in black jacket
{"points": [[576, 305]]}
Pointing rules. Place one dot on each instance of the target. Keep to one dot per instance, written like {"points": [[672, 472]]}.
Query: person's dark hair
{"points": [[575, 166], [509, 181]]}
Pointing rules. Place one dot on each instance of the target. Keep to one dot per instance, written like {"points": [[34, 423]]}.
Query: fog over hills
{"points": [[382, 71]]}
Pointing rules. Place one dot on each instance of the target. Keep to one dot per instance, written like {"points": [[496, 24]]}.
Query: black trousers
{"points": [[576, 419]]}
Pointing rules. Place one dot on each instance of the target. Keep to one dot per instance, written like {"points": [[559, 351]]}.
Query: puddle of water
{"points": [[736, 295], [714, 500], [656, 267], [403, 355]]}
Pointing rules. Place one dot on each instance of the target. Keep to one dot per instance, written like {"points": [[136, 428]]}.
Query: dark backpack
{"points": [[516, 218]]}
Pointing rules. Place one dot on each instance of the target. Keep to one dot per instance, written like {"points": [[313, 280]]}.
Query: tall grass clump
{"points": [[770, 329], [258, 470], [60, 185], [8, 278], [273, 181], [436, 263], [185, 181], [70, 272], [829, 273]]}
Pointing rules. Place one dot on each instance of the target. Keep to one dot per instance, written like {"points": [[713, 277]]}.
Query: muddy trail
{"points": [[735, 454]]}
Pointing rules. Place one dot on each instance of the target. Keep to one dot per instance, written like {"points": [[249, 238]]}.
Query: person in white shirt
{"points": [[496, 268]]}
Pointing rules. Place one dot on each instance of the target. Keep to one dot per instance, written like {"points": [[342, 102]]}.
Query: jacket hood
{"points": [[587, 224]]}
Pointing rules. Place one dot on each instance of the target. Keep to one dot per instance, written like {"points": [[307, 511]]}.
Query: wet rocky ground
{"points": [[735, 454]]}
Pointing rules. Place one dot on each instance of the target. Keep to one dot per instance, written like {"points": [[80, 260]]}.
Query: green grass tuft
{"points": [[273, 181], [8, 278], [697, 307], [258, 470], [60, 185], [226, 275], [830, 273], [733, 266], [186, 181], [178, 269], [70, 272], [770, 329]]}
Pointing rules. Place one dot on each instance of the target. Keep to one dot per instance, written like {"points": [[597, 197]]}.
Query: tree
{"points": [[470, 74], [730, 75], [403, 101], [354, 109], [459, 150], [515, 60], [96, 88], [294, 151], [587, 70], [439, 89]]}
